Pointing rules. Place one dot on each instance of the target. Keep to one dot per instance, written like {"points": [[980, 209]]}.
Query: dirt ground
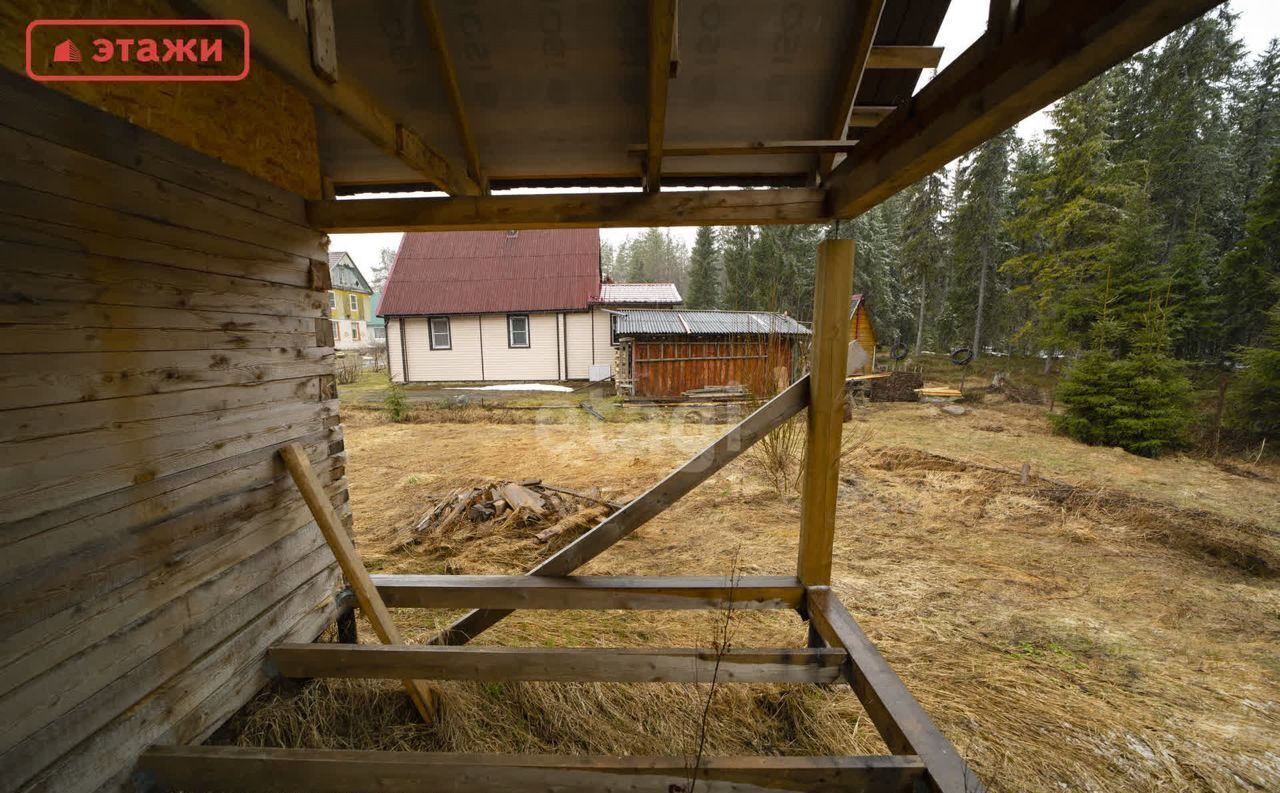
{"points": [[1113, 624]]}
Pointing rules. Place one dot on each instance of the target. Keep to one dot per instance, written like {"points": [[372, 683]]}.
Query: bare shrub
{"points": [[779, 456], [347, 369]]}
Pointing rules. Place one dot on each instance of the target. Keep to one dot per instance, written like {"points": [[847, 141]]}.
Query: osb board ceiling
{"points": [[261, 125], [556, 90]]}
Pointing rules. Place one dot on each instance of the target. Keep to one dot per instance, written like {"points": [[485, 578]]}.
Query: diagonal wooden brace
{"points": [[424, 699], [650, 503]]}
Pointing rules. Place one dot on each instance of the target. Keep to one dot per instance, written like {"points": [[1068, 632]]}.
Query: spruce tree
{"points": [[736, 258], [1256, 401], [924, 245], [978, 240], [1255, 118], [1135, 279], [1065, 222], [704, 271], [1140, 402], [1248, 274]]}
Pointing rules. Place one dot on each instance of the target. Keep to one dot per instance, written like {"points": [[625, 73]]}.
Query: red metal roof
{"points": [[477, 272]]}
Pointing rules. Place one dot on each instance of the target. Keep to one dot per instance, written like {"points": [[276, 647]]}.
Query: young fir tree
{"points": [[924, 244], [1247, 275], [978, 241], [704, 271], [1256, 400], [1140, 402], [1064, 224], [736, 258]]}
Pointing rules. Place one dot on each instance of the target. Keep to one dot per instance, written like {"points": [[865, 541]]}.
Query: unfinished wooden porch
{"points": [[179, 531]]}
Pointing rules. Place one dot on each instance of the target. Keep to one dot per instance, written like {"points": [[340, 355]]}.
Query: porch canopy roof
{"points": [[810, 101]]}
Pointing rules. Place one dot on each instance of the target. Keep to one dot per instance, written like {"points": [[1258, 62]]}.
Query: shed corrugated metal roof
{"points": [[650, 322], [478, 272], [630, 294]]}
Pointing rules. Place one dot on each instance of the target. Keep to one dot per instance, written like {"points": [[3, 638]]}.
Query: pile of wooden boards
{"points": [[718, 392], [526, 503]]}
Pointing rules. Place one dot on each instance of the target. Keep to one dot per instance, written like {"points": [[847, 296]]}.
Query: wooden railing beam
{"points": [[249, 770], [589, 592]]}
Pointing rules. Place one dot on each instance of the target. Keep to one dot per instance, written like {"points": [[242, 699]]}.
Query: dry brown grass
{"points": [[1111, 636]]}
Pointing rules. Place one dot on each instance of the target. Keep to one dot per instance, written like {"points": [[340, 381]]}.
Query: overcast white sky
{"points": [[966, 19]]}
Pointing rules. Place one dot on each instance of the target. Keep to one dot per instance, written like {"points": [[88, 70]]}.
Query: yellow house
{"points": [[861, 331], [350, 303]]}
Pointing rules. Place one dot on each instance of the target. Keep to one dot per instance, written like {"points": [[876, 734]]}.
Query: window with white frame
{"points": [[440, 337], [355, 331], [353, 302], [517, 330], [333, 301]]}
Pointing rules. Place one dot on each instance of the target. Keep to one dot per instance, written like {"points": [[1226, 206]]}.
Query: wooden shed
{"points": [[862, 331], [662, 354], [176, 505]]}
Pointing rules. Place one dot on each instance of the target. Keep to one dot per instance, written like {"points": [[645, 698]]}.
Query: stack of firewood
{"points": [[527, 504]]}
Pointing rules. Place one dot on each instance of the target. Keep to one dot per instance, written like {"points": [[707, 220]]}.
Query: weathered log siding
{"points": [[164, 333]]}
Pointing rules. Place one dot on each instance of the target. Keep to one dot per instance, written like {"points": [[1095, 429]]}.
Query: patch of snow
{"points": [[560, 389]]}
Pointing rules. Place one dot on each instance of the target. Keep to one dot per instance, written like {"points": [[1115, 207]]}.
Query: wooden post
{"points": [[295, 459], [828, 361]]}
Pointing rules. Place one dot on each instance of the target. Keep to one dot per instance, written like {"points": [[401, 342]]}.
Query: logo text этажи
{"points": [[207, 50]]}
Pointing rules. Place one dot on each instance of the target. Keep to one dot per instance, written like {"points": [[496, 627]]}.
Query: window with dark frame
{"points": [[517, 330], [440, 337]]}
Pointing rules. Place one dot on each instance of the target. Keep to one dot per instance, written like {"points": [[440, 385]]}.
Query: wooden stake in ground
{"points": [[424, 699]]}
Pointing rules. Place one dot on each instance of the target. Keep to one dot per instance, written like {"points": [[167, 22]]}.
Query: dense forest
{"points": [[1145, 223]]}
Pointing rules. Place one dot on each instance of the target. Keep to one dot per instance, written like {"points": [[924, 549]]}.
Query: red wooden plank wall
{"points": [[668, 368]]}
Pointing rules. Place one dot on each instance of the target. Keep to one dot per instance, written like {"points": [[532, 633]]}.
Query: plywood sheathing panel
{"points": [[260, 125]]}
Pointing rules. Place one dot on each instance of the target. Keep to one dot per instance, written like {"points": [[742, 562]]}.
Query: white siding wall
{"points": [[578, 344], [461, 362], [539, 361], [393, 350], [344, 337], [604, 351]]}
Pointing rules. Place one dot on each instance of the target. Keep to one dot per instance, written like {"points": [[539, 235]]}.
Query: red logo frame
{"points": [[139, 78]]}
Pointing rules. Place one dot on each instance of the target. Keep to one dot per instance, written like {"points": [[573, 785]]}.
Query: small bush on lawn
{"points": [[397, 406], [1141, 403]]}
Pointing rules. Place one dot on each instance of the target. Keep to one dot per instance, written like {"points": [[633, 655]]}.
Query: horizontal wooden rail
{"points": [[899, 718], [560, 665], [246, 770], [588, 592]]}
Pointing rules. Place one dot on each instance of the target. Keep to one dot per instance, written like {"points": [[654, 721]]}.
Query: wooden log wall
{"points": [[668, 367], [163, 334]]}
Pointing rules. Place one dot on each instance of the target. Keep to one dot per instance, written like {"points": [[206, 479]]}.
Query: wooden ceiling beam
{"points": [[747, 148], [866, 21], [1055, 49], [285, 44], [662, 21], [863, 116], [570, 210], [904, 57], [449, 76]]}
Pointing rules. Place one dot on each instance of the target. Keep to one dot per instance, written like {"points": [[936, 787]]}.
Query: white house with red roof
{"points": [[465, 306]]}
